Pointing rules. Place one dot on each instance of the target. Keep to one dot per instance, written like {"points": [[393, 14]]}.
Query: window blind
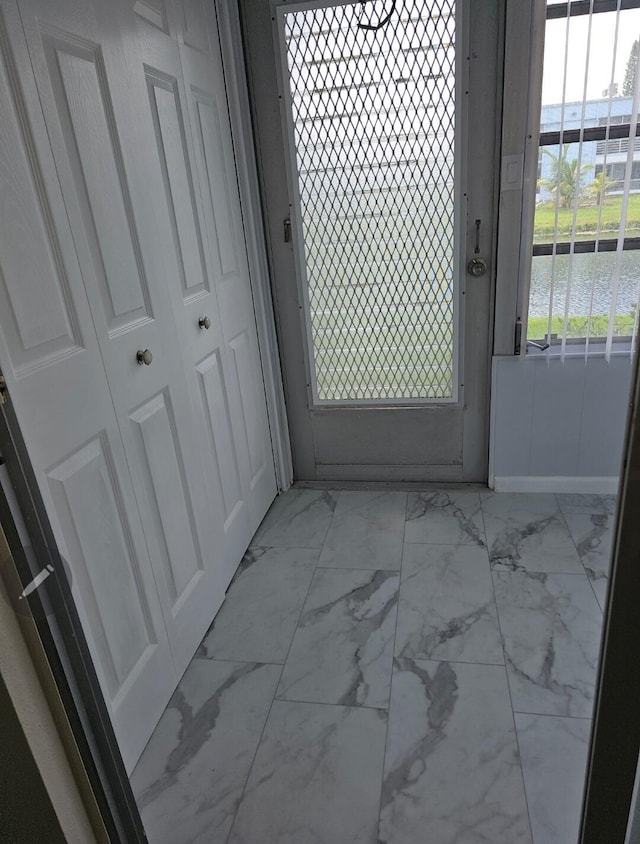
{"points": [[586, 252]]}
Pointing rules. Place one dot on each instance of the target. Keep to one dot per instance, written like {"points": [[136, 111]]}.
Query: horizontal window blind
{"points": [[586, 251]]}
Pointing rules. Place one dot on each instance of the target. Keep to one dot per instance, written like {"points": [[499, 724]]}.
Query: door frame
{"points": [[234, 69], [263, 67]]}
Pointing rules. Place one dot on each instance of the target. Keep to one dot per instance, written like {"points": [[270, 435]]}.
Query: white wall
{"points": [[558, 427]]}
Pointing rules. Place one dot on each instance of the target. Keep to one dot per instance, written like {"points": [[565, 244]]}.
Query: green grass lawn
{"points": [[577, 326], [587, 220]]}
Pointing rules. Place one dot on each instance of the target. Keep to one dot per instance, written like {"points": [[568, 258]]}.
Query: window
{"points": [[585, 268], [372, 115]]}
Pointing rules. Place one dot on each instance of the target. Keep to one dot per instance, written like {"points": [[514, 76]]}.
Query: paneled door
{"points": [[52, 360], [179, 60], [179, 366], [215, 170], [377, 125]]}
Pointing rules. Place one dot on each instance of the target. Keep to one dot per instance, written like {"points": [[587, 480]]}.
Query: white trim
{"points": [[542, 483], [240, 115]]}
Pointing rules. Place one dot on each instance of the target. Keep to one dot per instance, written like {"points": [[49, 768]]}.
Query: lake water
{"points": [[591, 276]]}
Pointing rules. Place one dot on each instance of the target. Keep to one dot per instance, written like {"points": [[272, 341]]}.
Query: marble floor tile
{"points": [[343, 647], [366, 531], [444, 518], [447, 609], [527, 532], [554, 760], [316, 777], [299, 518], [551, 627], [259, 615], [578, 503], [452, 772], [189, 780], [593, 536]]}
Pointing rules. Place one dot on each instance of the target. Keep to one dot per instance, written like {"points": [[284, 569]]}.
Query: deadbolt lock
{"points": [[477, 267]]}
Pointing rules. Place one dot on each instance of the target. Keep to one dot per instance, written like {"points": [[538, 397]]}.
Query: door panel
{"points": [[90, 508], [99, 170], [51, 359], [153, 12], [112, 186], [190, 117], [222, 215], [194, 25], [180, 195], [214, 399], [398, 81], [194, 290], [174, 536], [218, 195]]}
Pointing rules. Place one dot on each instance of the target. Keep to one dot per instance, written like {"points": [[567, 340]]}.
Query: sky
{"points": [[600, 54]]}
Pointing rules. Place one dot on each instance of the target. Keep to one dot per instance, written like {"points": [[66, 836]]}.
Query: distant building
{"points": [[609, 155]]}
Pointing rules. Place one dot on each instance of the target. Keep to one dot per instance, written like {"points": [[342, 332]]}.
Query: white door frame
{"points": [[254, 229]]}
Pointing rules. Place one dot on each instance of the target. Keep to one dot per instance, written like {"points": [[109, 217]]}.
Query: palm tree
{"points": [[565, 180], [600, 186]]}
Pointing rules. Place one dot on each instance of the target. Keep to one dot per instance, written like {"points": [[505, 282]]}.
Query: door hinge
{"points": [[4, 395], [287, 230], [517, 345]]}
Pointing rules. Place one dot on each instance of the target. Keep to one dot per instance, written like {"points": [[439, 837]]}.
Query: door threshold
{"points": [[402, 486]]}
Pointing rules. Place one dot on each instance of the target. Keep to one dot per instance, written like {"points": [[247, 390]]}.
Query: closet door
{"points": [[52, 359], [86, 60], [209, 361], [235, 352]]}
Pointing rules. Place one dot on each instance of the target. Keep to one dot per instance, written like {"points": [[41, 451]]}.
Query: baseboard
{"points": [[540, 483]]}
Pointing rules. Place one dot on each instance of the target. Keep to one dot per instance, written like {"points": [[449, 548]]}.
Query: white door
{"points": [[206, 104], [382, 154], [188, 109], [192, 416], [52, 361]]}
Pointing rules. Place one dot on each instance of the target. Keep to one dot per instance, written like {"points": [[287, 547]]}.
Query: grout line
{"points": [[266, 720], [330, 703], [564, 519], [553, 715], [537, 571], [240, 661], [513, 714], [393, 657], [358, 568], [452, 544], [450, 661]]}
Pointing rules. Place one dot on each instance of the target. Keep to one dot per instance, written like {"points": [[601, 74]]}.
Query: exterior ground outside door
{"points": [[412, 440]]}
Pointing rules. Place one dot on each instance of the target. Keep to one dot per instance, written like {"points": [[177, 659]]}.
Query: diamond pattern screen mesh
{"points": [[373, 119]]}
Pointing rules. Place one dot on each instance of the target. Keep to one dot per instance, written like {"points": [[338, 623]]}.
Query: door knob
{"points": [[477, 266], [144, 356], [204, 322]]}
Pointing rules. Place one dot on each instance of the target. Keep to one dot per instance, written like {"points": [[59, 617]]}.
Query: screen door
{"points": [[387, 137]]}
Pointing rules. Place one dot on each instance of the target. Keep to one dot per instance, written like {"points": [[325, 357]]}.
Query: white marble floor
{"points": [[391, 668]]}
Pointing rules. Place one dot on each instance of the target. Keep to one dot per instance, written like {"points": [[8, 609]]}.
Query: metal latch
{"points": [[4, 395], [287, 230]]}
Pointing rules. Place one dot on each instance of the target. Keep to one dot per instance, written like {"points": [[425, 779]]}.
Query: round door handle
{"points": [[204, 322], [144, 356], [477, 267]]}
